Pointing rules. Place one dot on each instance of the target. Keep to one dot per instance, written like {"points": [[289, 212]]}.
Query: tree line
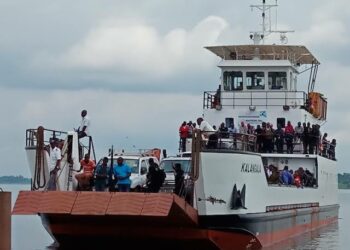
{"points": [[14, 180], [344, 181]]}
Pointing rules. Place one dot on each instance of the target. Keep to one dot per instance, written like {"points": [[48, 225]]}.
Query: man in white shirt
{"points": [[208, 132], [83, 130], [55, 159]]}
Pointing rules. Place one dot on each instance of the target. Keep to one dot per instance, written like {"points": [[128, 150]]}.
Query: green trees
{"points": [[344, 181], [14, 180]]}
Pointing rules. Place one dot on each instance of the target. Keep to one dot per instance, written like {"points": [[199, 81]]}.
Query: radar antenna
{"points": [[259, 36]]}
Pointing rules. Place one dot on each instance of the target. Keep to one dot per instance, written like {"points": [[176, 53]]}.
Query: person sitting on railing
{"points": [[208, 132], [83, 129], [289, 136], [88, 167], [299, 130], [279, 138]]}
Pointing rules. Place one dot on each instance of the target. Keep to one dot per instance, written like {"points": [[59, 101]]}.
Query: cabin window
{"points": [[233, 80], [282, 122], [255, 80], [229, 122], [277, 80]]}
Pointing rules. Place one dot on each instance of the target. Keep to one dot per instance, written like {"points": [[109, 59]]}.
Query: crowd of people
{"points": [[102, 177], [299, 178], [267, 139]]}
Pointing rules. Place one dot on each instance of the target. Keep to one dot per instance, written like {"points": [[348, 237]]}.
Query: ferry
{"points": [[233, 204]]}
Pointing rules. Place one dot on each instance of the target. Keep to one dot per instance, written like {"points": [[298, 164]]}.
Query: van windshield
{"points": [[167, 165]]}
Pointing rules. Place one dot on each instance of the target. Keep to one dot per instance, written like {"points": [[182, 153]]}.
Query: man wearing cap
{"points": [[55, 159], [122, 173], [83, 130]]}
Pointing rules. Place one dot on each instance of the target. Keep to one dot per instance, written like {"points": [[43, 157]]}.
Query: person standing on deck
{"points": [[289, 137], [179, 179], [155, 177], [279, 138], [55, 159], [183, 131], [101, 175], [122, 173], [83, 130], [306, 137], [299, 130], [208, 132]]}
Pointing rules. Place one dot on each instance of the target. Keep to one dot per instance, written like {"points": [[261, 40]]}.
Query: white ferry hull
{"points": [[272, 212]]}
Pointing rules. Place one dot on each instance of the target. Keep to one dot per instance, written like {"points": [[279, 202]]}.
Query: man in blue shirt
{"points": [[122, 173], [286, 176]]}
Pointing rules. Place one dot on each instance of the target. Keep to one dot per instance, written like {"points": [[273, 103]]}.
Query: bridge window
{"points": [[277, 80], [233, 80], [255, 80]]}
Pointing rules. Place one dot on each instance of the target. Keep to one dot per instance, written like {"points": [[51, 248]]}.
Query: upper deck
{"points": [[264, 77]]}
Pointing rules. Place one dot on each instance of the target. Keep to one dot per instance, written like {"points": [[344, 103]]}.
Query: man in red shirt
{"points": [[183, 130], [84, 178], [289, 135]]}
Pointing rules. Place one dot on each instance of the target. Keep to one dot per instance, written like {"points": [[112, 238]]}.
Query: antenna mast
{"points": [[259, 36]]}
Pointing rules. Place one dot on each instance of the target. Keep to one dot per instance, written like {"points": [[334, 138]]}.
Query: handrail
{"points": [[209, 97], [31, 135], [196, 142]]}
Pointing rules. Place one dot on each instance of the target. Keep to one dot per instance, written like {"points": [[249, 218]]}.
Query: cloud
{"points": [[138, 48]]}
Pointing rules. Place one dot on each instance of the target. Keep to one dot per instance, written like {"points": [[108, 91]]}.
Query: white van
{"points": [[167, 164]]}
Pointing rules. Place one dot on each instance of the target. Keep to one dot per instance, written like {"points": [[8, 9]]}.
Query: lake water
{"points": [[29, 234]]}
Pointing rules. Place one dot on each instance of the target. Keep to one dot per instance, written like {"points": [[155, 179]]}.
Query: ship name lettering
{"points": [[250, 168]]}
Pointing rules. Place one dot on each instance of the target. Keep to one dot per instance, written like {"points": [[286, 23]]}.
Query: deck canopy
{"points": [[294, 53]]}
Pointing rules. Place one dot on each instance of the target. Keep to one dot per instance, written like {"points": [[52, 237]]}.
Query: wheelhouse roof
{"points": [[294, 53]]}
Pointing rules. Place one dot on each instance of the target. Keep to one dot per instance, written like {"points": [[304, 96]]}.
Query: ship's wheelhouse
{"points": [[259, 84]]}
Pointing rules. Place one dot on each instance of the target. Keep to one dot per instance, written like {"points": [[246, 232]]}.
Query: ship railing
{"points": [[226, 141], [32, 136], [273, 98], [292, 57], [208, 141]]}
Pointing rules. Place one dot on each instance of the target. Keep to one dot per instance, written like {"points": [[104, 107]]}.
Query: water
{"points": [[29, 234]]}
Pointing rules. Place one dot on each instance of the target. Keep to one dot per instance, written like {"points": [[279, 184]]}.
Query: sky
{"points": [[140, 69]]}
